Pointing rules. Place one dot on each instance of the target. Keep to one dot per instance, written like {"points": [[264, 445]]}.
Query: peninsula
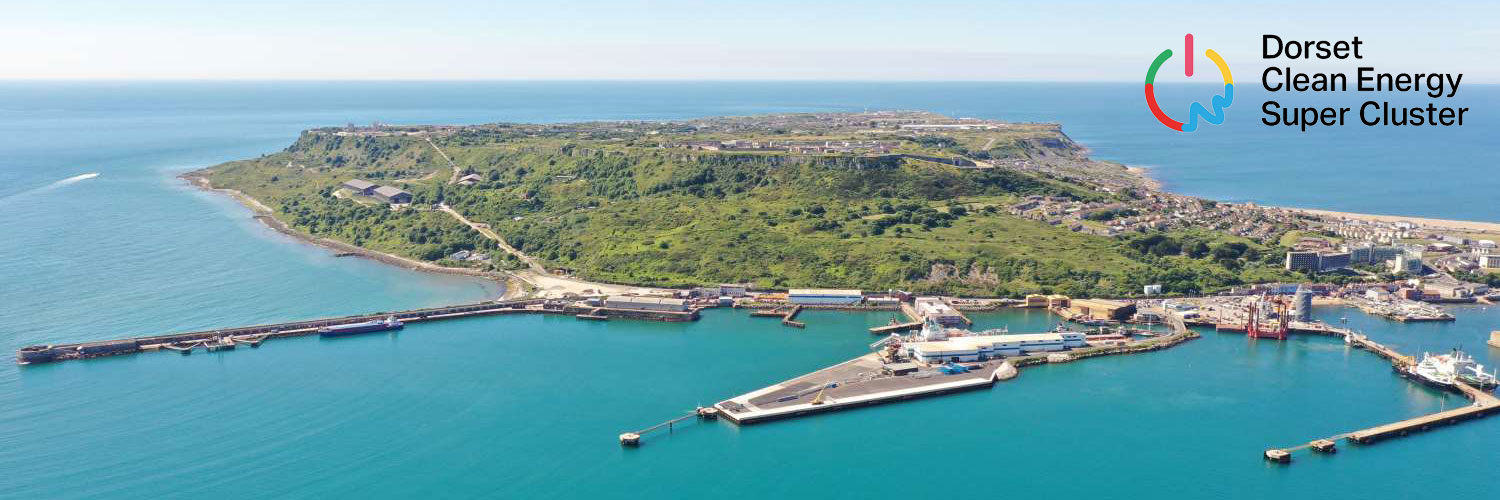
{"points": [[877, 200]]}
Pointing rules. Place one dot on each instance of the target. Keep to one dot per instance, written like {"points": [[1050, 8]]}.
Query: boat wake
{"points": [[53, 186]]}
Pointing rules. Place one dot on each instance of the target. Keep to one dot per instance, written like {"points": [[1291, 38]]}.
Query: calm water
{"points": [[530, 406]]}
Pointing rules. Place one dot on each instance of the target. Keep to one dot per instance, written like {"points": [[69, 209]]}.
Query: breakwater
{"points": [[253, 335]]}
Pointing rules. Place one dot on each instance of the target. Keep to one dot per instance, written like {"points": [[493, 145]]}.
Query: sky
{"points": [[961, 40]]}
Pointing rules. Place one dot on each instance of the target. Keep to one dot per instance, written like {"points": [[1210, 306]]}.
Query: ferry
{"points": [[1443, 370], [389, 323]]}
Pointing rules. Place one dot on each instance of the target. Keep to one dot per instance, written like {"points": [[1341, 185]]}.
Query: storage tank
{"points": [[1302, 304]]}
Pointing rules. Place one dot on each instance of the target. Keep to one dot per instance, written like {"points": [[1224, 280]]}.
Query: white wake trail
{"points": [[55, 185]]}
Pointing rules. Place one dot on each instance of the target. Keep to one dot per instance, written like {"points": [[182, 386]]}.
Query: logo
{"points": [[1197, 110]]}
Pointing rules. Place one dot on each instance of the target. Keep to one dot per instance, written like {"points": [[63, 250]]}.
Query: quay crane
{"points": [[1262, 328]]}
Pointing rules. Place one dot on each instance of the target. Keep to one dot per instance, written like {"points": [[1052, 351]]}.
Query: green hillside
{"points": [[626, 206]]}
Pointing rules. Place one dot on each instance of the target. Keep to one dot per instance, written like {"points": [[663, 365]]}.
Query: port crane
{"points": [[1261, 325]]}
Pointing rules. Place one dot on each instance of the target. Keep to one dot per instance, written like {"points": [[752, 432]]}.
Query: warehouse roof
{"points": [[822, 291], [359, 184], [647, 300], [388, 191]]}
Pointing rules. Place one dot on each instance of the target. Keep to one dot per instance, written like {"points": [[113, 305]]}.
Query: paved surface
{"points": [[857, 377]]}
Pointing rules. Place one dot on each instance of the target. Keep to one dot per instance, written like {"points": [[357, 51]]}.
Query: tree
{"points": [[1198, 250]]}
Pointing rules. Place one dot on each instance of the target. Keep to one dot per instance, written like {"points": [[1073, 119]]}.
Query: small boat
{"points": [[389, 323]]}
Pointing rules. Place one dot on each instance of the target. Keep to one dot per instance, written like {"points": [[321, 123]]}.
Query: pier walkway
{"points": [[1484, 404]]}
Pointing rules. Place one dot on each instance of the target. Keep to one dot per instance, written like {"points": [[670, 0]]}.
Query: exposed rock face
{"points": [[1006, 371]]}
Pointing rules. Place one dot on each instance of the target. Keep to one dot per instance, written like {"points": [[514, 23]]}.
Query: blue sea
{"points": [[530, 407]]}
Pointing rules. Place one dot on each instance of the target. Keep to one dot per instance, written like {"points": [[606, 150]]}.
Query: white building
{"points": [[1489, 260], [985, 347], [1409, 262], [647, 303], [812, 296], [934, 309]]}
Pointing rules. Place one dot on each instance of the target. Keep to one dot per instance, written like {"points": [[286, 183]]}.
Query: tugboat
{"points": [[1444, 370], [389, 323]]}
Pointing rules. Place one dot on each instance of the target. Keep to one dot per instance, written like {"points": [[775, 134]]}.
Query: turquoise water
{"points": [[530, 406]]}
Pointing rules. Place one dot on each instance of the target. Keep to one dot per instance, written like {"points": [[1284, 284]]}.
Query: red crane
{"points": [[1265, 328]]}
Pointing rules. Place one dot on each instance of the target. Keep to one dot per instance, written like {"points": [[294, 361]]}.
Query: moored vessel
{"points": [[389, 323], [1443, 371]]}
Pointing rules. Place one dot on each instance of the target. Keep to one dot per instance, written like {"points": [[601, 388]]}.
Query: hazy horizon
{"points": [[947, 40]]}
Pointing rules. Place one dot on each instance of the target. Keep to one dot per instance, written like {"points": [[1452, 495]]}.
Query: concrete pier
{"points": [[787, 315], [870, 380], [1484, 404]]}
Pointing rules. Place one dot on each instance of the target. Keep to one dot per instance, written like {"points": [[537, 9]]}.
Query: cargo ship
{"points": [[1443, 370], [379, 325]]}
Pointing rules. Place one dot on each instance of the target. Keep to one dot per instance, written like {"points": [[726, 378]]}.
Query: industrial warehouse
{"points": [[819, 297], [984, 347]]}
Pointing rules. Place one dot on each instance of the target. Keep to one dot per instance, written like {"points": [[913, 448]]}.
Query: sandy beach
{"points": [[1471, 226]]}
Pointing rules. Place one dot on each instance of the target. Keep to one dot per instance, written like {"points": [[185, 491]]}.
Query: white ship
{"points": [[1443, 370]]}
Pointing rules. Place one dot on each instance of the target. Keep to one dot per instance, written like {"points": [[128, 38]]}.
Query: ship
{"points": [[379, 325], [1443, 371]]}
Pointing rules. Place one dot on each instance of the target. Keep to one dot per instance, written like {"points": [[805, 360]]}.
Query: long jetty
{"points": [[1484, 404], [255, 334], [633, 438]]}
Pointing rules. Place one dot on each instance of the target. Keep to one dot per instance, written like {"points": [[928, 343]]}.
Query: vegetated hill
{"points": [[626, 207]]}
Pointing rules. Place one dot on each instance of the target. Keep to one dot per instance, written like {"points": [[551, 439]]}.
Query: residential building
{"points": [[1299, 260], [1409, 262]]}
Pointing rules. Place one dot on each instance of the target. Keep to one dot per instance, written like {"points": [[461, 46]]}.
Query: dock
{"points": [[871, 379], [851, 384], [788, 316], [633, 438], [1484, 404]]}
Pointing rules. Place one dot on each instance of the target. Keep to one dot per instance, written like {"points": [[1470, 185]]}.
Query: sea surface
{"points": [[530, 406]]}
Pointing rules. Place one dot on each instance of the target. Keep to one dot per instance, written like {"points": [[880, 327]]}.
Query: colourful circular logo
{"points": [[1197, 110]]}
